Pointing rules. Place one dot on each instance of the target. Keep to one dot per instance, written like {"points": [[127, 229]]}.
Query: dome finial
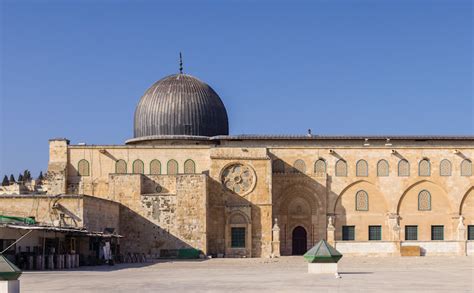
{"points": [[180, 63]]}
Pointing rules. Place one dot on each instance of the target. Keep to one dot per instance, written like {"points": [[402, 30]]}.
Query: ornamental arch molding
{"points": [[333, 207], [449, 197], [470, 191], [306, 192]]}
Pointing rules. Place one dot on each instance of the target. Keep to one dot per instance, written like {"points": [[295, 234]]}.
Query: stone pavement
{"points": [[286, 274]]}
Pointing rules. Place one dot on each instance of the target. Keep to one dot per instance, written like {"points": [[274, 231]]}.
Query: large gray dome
{"points": [[180, 104]]}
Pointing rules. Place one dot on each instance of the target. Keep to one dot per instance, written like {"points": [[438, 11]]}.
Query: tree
{"points": [[12, 179], [26, 175], [5, 181], [40, 177], [20, 178]]}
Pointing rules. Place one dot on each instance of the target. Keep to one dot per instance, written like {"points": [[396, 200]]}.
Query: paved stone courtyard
{"points": [[287, 274]]}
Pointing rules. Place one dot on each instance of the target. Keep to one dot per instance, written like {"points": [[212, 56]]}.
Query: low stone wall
{"points": [[378, 248], [429, 248]]}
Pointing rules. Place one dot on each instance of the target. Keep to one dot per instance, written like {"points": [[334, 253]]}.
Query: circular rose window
{"points": [[238, 178]]}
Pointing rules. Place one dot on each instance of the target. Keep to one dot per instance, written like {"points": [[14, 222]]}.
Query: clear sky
{"points": [[77, 69]]}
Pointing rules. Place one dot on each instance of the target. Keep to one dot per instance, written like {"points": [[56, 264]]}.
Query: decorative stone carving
{"points": [[239, 178], [276, 239], [461, 229]]}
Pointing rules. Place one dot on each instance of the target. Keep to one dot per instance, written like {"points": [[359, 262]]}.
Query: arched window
{"points": [[155, 167], [424, 200], [424, 168], [362, 168], [299, 166], [362, 201], [83, 168], [172, 167], [466, 168], [189, 167], [278, 166], [445, 168], [320, 167], [121, 167], [383, 169], [341, 168], [403, 168], [138, 167]]}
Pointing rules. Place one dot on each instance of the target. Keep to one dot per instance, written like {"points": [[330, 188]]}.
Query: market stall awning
{"points": [[71, 230]]}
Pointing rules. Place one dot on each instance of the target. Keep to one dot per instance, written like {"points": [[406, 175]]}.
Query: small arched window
{"points": [[83, 168], [466, 168], [445, 168], [341, 168], [362, 168], [320, 167], [278, 166], [299, 166], [403, 168], [155, 167], [138, 167], [172, 167], [362, 201], [383, 168], [121, 167], [424, 168], [189, 167], [424, 200]]}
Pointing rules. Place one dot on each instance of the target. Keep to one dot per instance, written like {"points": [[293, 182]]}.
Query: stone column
{"points": [[276, 239], [331, 231], [461, 237], [394, 226]]}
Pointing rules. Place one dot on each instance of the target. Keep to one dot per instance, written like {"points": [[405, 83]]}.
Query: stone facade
{"points": [[248, 182]]}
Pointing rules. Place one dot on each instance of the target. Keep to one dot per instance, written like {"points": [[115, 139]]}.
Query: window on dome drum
{"points": [[320, 167], [403, 168], [411, 232], [341, 168], [424, 168], [375, 232], [278, 166], [138, 167], [383, 168], [121, 167], [237, 237], [424, 200], [155, 167], [189, 167], [362, 201], [348, 233], [445, 168], [83, 168], [466, 168], [299, 166], [470, 232], [172, 167], [362, 168], [437, 232]]}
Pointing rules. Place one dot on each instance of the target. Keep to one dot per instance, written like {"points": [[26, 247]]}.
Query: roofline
{"points": [[299, 137]]}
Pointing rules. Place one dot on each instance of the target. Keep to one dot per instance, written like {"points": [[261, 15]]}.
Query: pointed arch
{"points": [[362, 168], [403, 168], [138, 167], [424, 168], [299, 166], [155, 167], [341, 168], [278, 166], [383, 168], [121, 167], [445, 168], [83, 168], [451, 200], [466, 167], [189, 167], [320, 167], [464, 197], [172, 167]]}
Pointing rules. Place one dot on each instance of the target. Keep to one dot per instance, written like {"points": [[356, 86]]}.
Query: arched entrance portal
{"points": [[299, 241]]}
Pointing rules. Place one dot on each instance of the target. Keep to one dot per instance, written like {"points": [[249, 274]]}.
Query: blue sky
{"points": [[77, 69]]}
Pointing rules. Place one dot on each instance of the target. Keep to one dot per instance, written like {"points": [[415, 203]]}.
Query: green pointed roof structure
{"points": [[8, 271], [322, 252]]}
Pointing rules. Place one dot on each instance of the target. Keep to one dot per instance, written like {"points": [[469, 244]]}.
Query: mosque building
{"points": [[184, 183]]}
